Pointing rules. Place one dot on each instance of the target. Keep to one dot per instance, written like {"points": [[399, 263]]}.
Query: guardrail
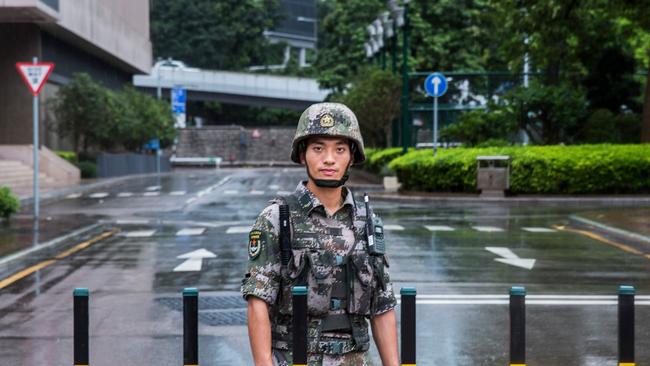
{"points": [[517, 305]]}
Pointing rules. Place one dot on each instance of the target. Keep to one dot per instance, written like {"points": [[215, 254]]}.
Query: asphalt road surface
{"points": [[462, 257]]}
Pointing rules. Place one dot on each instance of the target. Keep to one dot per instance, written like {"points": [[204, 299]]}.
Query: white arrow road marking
{"points": [[193, 260], [99, 195], [511, 258], [487, 229], [190, 231], [439, 228], [125, 194], [394, 227], [538, 230], [238, 229]]}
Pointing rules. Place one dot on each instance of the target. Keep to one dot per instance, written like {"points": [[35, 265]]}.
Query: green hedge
{"points": [[535, 169], [377, 160], [70, 156], [9, 203], [88, 169]]}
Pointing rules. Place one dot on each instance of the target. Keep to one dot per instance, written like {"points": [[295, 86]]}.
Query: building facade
{"points": [[107, 39]]}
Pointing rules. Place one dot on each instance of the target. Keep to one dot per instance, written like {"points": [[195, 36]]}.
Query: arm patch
{"points": [[255, 243]]}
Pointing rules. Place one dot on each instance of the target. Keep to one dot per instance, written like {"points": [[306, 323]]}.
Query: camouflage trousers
{"points": [[283, 358]]}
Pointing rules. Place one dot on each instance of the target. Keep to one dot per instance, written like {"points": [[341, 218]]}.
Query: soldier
{"points": [[329, 248]]}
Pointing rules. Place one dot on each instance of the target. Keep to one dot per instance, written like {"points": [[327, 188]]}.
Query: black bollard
{"points": [[517, 326], [408, 325], [299, 294], [80, 310], [190, 327], [626, 326]]}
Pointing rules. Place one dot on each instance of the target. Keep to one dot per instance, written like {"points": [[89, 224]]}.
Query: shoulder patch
{"points": [[254, 244]]}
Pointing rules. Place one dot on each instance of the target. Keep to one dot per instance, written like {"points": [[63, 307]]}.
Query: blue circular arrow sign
{"points": [[435, 84]]}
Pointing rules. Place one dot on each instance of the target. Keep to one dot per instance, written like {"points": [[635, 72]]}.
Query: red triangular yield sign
{"points": [[35, 74]]}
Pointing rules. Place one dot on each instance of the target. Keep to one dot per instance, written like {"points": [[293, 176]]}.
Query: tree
{"points": [[83, 111], [342, 34], [374, 98], [452, 35], [221, 35], [569, 41], [98, 118], [143, 118]]}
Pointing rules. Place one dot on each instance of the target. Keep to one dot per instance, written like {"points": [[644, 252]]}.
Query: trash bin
{"points": [[493, 175]]}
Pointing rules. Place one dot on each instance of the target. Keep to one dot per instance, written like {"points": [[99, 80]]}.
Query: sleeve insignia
{"points": [[254, 244]]}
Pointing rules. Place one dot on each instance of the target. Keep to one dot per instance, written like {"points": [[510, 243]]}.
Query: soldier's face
{"points": [[327, 157]]}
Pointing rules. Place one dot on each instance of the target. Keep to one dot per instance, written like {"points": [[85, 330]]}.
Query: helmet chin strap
{"points": [[329, 183]]}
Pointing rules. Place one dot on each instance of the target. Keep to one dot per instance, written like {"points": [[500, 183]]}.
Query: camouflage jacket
{"points": [[332, 237]]}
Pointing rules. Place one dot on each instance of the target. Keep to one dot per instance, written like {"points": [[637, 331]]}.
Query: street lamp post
{"points": [[402, 20]]}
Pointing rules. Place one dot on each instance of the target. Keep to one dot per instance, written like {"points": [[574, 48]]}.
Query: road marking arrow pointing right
{"points": [[511, 258]]}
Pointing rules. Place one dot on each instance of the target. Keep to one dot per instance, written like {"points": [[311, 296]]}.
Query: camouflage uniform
{"points": [[342, 235], [346, 284]]}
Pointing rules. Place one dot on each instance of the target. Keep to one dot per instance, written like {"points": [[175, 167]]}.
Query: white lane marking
{"points": [[73, 196], [439, 228], [283, 193], [531, 302], [549, 300], [139, 233], [151, 194], [538, 230], [125, 194], [511, 258], [193, 260], [177, 193], [274, 186], [238, 229], [99, 195], [190, 200], [229, 192], [488, 229], [190, 231], [132, 222], [394, 227], [153, 188], [257, 193]]}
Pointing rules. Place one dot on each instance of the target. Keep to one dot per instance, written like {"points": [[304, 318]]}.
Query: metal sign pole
{"points": [[435, 126], [36, 165]]}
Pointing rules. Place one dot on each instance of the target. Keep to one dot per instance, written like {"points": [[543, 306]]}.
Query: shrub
{"points": [[535, 169], [88, 169], [9, 203], [70, 156], [377, 162]]}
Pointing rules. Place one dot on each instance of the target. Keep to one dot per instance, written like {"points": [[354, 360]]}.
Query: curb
{"points": [[642, 201], [611, 229], [11, 263]]}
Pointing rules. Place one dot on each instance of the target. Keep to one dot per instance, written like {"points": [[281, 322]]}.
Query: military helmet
{"points": [[328, 119]]}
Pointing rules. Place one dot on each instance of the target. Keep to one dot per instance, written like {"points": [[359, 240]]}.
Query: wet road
{"points": [[462, 258]]}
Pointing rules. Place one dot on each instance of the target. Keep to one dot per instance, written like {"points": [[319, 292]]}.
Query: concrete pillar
{"points": [[20, 42]]}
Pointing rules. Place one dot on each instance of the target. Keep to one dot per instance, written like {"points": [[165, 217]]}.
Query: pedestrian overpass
{"points": [[232, 87]]}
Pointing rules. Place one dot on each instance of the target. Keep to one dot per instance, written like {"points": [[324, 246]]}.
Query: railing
{"points": [[517, 305]]}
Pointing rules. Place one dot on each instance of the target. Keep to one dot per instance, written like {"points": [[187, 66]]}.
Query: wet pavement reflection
{"points": [[439, 248]]}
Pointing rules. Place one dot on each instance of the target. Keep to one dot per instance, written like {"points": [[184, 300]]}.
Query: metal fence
{"points": [[115, 165]]}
